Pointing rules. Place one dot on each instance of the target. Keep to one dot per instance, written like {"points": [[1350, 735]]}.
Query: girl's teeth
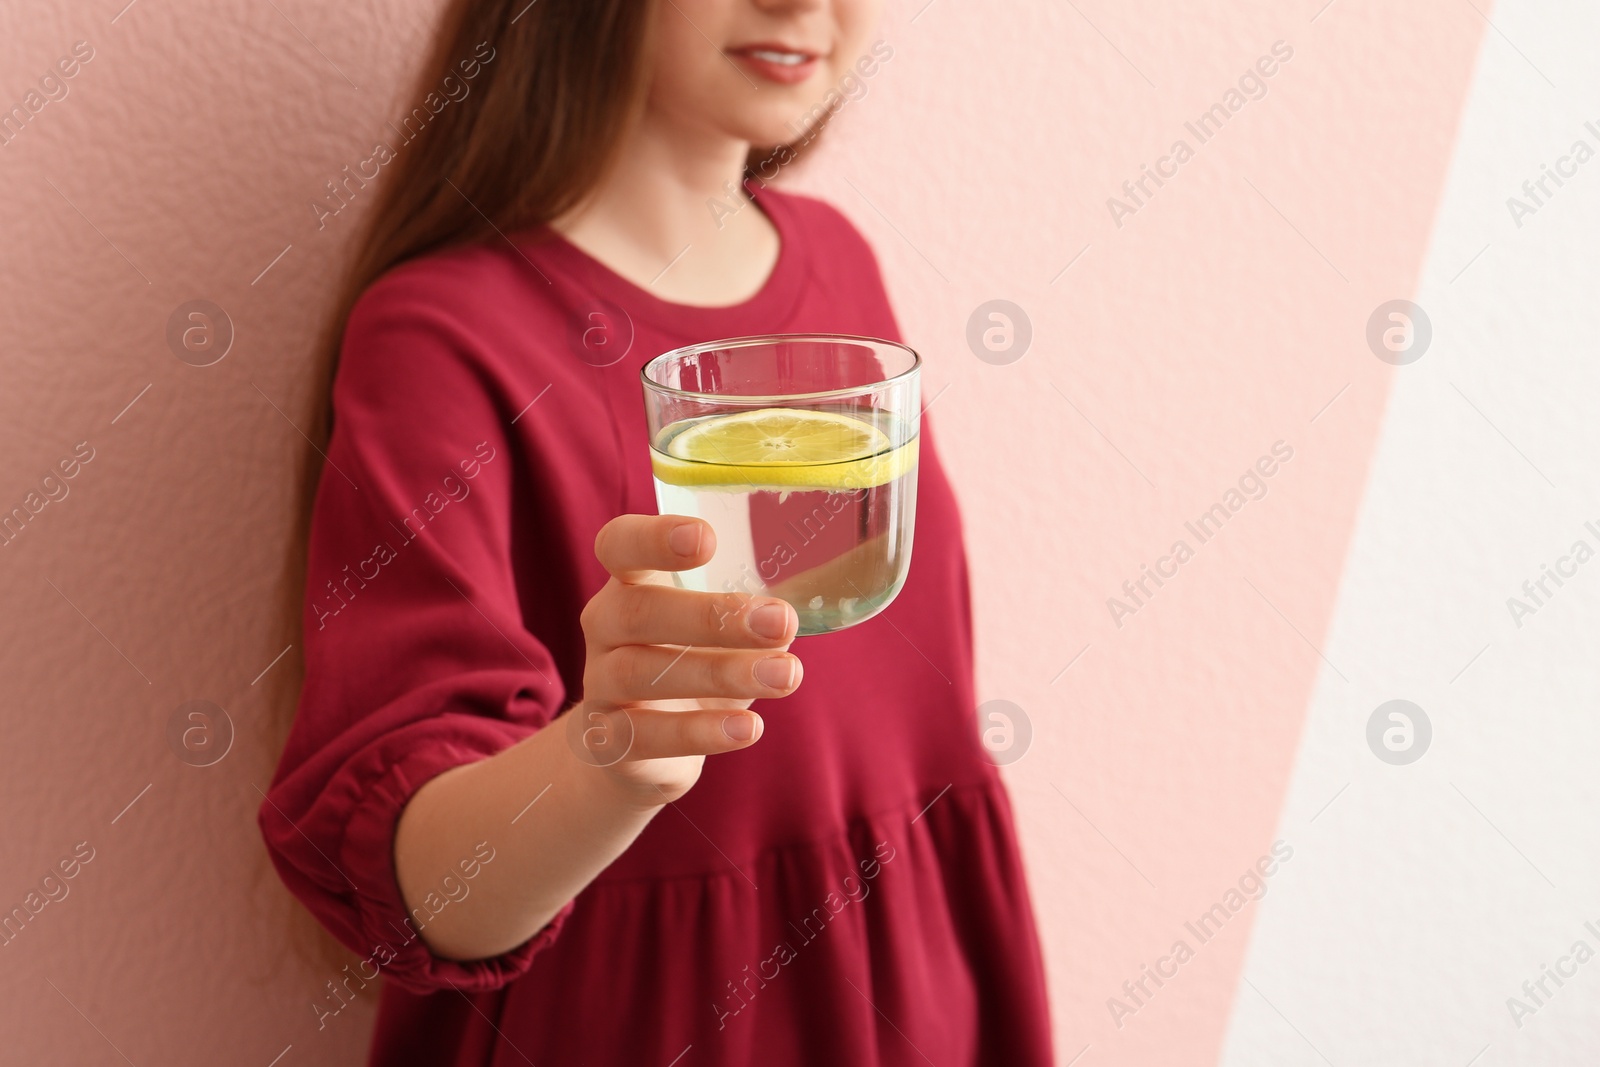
{"points": [[788, 59]]}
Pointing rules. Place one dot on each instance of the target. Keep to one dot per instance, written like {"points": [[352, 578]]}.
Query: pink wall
{"points": [[1219, 318]]}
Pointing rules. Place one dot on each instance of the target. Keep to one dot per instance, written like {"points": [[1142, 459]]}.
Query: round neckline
{"points": [[764, 311]]}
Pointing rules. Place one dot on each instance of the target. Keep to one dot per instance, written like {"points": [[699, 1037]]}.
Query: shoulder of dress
{"points": [[853, 272], [817, 217], [473, 297], [470, 276], [842, 261], [444, 319]]}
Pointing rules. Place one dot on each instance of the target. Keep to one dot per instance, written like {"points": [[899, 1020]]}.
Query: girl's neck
{"points": [[663, 217]]}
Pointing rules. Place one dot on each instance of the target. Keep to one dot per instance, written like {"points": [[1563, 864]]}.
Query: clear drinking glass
{"points": [[800, 450]]}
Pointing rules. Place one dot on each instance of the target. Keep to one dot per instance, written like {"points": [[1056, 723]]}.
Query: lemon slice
{"points": [[782, 447], [787, 436]]}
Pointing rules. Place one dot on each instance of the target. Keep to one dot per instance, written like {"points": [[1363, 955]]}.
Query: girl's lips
{"points": [[775, 63]]}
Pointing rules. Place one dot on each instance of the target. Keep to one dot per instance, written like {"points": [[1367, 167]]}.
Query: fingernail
{"points": [[739, 727], [776, 671], [770, 620], [685, 539]]}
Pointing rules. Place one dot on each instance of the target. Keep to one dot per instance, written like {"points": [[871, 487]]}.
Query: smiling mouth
{"points": [[776, 62], [787, 59]]}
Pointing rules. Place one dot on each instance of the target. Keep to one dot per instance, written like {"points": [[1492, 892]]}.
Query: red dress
{"points": [[847, 891]]}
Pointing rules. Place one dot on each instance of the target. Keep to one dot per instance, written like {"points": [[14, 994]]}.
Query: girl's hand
{"points": [[670, 673]]}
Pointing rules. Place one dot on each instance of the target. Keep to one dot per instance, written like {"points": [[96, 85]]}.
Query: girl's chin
{"points": [[769, 132]]}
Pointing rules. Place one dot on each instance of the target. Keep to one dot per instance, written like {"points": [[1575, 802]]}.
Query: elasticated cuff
{"points": [[367, 857]]}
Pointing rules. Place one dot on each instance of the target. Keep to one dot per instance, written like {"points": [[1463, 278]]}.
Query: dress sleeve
{"points": [[417, 656]]}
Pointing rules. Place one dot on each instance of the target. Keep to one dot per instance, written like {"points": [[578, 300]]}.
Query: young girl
{"points": [[581, 187]]}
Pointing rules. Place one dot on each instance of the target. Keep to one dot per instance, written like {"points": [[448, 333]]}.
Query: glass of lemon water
{"points": [[800, 450]]}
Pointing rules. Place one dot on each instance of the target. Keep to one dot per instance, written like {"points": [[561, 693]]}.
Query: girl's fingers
{"points": [[658, 734], [647, 614], [630, 547], [664, 672]]}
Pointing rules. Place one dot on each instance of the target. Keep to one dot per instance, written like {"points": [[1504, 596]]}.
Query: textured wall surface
{"points": [[1430, 892], [1175, 337]]}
